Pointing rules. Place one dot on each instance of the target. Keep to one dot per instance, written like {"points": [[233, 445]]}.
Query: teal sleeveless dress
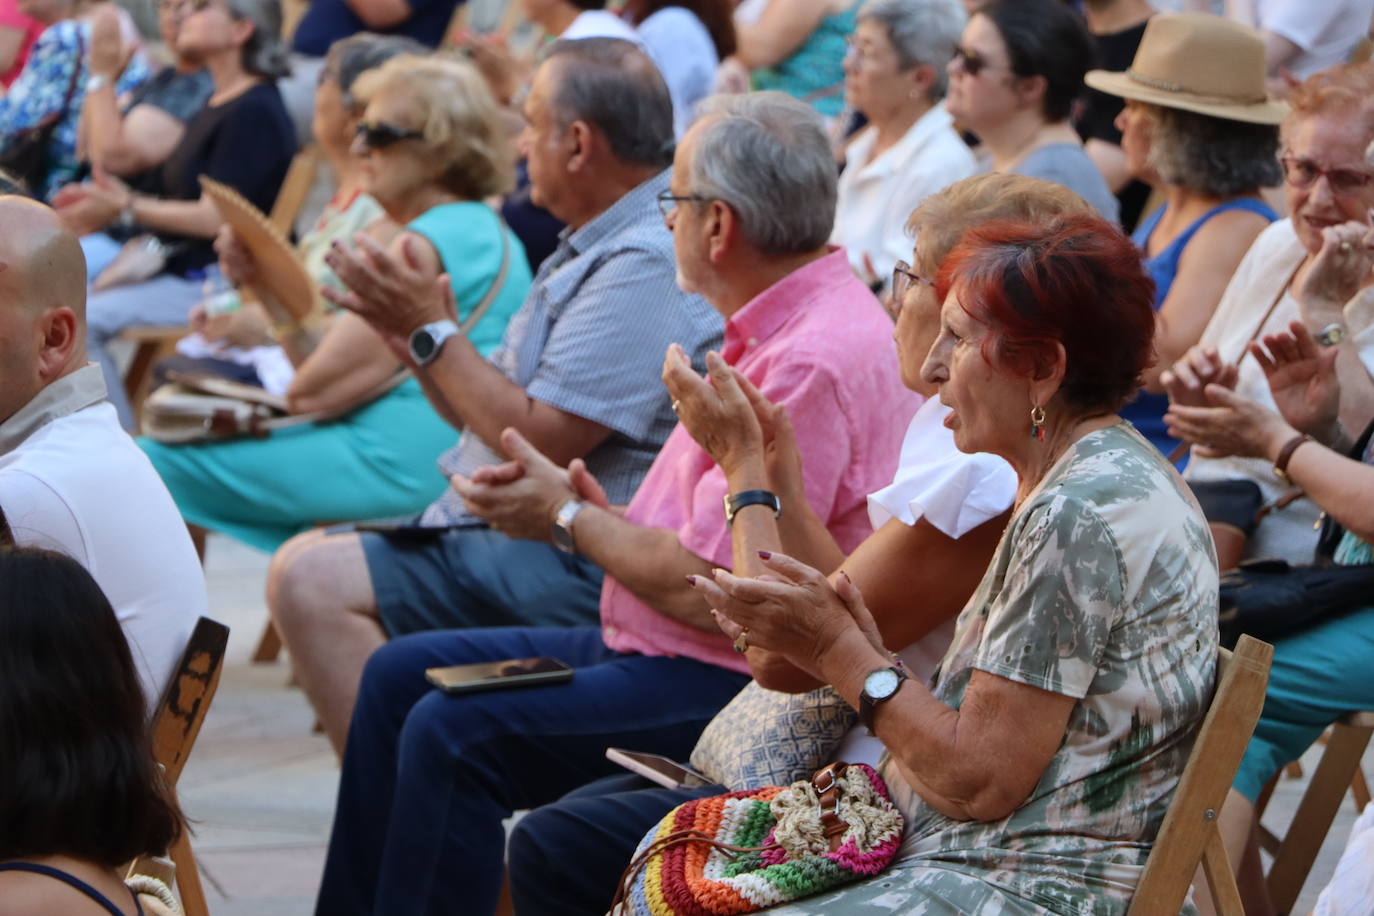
{"points": [[814, 72]]}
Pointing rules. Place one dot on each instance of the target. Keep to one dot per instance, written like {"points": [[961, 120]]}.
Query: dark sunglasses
{"points": [[382, 134], [971, 62]]}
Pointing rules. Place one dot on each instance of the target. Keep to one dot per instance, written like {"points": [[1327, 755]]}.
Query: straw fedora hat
{"points": [[1197, 62]]}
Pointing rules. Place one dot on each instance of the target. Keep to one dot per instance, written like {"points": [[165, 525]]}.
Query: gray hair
{"points": [[264, 54], [614, 86], [351, 57], [765, 154], [921, 32], [1215, 156]]}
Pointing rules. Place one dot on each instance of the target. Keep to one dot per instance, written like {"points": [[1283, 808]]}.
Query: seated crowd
{"points": [[793, 350]]}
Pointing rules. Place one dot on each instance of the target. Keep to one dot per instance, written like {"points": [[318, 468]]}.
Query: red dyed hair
{"points": [[1074, 280]]}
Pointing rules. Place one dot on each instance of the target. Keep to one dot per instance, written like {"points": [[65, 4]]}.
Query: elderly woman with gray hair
{"points": [[894, 73], [242, 138], [1205, 135]]}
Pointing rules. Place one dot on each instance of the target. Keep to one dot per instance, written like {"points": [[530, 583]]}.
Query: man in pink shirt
{"points": [[428, 778]]}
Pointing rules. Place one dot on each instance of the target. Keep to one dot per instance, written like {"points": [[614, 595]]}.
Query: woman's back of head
{"points": [[77, 776]]}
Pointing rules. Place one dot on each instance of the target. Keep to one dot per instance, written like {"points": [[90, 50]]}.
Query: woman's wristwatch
{"points": [[1286, 454], [880, 685]]}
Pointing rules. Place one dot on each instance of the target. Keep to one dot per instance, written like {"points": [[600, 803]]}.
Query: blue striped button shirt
{"points": [[590, 340]]}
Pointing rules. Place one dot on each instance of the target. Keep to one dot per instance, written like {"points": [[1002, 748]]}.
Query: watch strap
{"points": [[868, 705], [438, 331], [1286, 455], [561, 530], [738, 501]]}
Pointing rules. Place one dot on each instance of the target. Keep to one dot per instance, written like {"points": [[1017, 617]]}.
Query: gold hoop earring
{"points": [[1038, 423]]}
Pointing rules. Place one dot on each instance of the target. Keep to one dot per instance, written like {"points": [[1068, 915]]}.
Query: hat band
{"points": [[1166, 86]]}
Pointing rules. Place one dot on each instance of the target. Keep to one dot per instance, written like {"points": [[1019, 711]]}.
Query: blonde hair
{"points": [[943, 218], [447, 100]]}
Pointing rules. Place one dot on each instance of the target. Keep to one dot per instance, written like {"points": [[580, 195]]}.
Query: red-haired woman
{"points": [[1035, 771]]}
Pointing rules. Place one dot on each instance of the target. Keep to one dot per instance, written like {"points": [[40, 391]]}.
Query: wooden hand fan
{"points": [[282, 282]]}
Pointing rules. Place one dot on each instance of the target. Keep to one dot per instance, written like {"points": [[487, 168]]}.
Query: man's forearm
{"points": [[650, 562]]}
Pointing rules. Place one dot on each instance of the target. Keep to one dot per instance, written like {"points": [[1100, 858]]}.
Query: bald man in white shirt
{"points": [[71, 480]]}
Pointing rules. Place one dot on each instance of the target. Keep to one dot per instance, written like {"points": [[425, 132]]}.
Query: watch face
{"points": [[882, 683], [422, 344]]}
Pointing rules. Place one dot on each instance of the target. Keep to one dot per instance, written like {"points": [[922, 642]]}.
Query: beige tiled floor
{"points": [[260, 786]]}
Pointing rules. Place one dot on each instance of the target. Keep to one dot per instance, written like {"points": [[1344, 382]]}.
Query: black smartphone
{"points": [[511, 672], [657, 768]]}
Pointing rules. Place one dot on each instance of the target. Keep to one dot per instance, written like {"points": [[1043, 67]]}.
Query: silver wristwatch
{"points": [[428, 339], [561, 531], [96, 83]]}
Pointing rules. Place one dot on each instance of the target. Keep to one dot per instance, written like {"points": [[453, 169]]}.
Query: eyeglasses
{"points": [[381, 134], [1302, 173], [668, 201], [971, 62], [902, 279], [862, 56]]}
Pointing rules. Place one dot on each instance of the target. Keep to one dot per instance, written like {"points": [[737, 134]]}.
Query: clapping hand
{"points": [[717, 413], [793, 610], [395, 295], [1200, 366], [108, 56], [92, 205], [1302, 379]]}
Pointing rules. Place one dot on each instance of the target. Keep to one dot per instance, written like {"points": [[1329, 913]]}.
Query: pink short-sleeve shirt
{"points": [[818, 343]]}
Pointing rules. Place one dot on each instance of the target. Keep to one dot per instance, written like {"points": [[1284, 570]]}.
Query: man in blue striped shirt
{"points": [[577, 373]]}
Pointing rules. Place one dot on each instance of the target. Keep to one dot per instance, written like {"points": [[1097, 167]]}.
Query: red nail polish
{"points": [[765, 555]]}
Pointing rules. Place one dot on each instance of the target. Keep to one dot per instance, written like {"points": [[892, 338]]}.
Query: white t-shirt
{"points": [[876, 197], [1264, 271], [71, 480], [1326, 31], [955, 492], [679, 44]]}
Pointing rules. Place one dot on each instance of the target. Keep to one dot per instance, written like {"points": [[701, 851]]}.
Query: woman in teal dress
{"points": [[798, 47], [428, 148]]}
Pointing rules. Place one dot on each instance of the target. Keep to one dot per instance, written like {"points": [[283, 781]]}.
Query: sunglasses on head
{"points": [[382, 134]]}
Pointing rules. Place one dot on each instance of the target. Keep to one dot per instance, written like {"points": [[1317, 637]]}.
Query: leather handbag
{"points": [[766, 738], [743, 852], [25, 158], [1270, 598]]}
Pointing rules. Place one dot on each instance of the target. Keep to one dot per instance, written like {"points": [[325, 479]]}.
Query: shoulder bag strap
{"points": [[496, 285]]}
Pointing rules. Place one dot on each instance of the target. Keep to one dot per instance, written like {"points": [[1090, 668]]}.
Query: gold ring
{"points": [[742, 641], [1346, 248]]}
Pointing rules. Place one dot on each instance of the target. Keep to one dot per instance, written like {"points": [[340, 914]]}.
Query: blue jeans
{"points": [[427, 778], [567, 857]]}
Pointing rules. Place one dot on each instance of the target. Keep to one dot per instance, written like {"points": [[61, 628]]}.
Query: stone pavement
{"points": [[259, 786]]}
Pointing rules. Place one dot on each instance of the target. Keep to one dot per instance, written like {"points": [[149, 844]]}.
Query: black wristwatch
{"points": [[880, 685], [750, 498]]}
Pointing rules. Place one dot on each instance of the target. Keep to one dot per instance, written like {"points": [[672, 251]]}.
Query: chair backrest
{"points": [[1189, 837], [187, 697], [295, 187]]}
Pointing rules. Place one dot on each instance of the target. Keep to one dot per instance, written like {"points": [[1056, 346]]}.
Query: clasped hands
{"points": [[1206, 411], [521, 497]]}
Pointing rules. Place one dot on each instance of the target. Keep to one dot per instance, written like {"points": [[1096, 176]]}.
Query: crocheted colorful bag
{"points": [[746, 851]]}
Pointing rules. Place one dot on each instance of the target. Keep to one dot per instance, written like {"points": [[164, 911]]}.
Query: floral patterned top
{"points": [[1104, 589], [41, 90]]}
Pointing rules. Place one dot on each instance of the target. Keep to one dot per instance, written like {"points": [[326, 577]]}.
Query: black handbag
{"points": [[25, 158], [1272, 598]]}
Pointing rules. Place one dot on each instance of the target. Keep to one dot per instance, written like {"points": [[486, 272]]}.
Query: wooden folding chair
{"points": [[175, 727], [153, 343], [1337, 772], [1189, 834]]}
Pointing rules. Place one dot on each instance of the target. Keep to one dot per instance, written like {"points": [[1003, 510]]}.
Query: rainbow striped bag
{"points": [[745, 851]]}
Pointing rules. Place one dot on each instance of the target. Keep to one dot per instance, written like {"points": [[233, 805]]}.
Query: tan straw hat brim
{"points": [[1128, 86]]}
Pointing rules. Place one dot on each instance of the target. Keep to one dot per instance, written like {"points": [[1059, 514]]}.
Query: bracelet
{"points": [[283, 330], [1286, 455]]}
